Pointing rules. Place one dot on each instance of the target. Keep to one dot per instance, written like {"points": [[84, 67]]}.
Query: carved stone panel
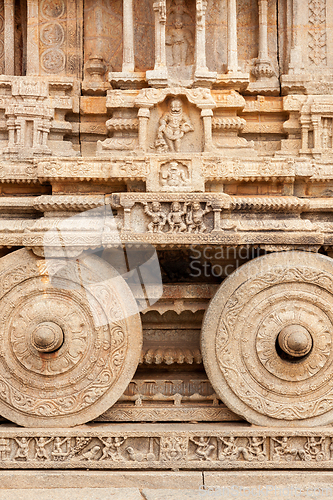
{"points": [[60, 37], [267, 340], [70, 339]]}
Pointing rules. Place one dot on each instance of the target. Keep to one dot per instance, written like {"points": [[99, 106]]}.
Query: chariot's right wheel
{"points": [[267, 340]]}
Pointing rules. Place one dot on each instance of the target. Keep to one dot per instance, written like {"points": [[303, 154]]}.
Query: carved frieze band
{"points": [[204, 448], [168, 175]]}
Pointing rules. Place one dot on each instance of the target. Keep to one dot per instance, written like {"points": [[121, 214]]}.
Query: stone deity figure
{"points": [[179, 38], [157, 215], [195, 218], [175, 217], [173, 125]]}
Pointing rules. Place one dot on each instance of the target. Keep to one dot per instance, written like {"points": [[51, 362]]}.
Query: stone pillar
{"points": [[95, 66], [160, 22], [232, 37], [263, 67], [305, 124], [316, 121], [128, 205], [9, 37], [200, 37], [295, 63], [159, 75], [202, 75], [143, 115], [32, 38], [263, 39], [207, 115], [128, 37]]}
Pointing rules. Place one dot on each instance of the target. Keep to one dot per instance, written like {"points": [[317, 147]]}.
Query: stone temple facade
{"points": [[166, 245]]}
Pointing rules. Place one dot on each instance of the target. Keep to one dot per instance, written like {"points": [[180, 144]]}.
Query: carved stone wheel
{"points": [[267, 340], [70, 339]]}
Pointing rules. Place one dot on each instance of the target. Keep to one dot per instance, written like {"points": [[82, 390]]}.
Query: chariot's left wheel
{"points": [[267, 340], [69, 344]]}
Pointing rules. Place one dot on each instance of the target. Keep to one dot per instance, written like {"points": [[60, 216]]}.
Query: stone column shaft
{"points": [[232, 37], [143, 115], [9, 37], [160, 22], [200, 36], [207, 115], [128, 37], [32, 38], [263, 38]]}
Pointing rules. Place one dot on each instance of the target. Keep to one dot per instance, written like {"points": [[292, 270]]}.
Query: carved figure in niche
{"points": [[204, 448], [175, 217], [111, 449], [90, 454], [173, 125], [230, 448], [173, 448], [157, 215], [138, 456], [256, 448], [40, 448], [314, 449], [179, 38], [174, 175], [283, 449], [23, 448], [4, 449], [135, 456], [58, 453], [194, 218]]}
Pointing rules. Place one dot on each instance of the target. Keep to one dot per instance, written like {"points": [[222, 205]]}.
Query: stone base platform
{"points": [[98, 485]]}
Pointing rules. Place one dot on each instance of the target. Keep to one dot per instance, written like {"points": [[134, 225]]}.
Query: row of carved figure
{"points": [[187, 217], [167, 448]]}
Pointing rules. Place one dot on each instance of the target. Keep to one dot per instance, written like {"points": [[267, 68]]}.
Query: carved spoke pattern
{"points": [[88, 366], [165, 450], [246, 369]]}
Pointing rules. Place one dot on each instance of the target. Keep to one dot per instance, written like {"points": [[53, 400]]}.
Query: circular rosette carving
{"points": [[267, 340], [70, 339]]}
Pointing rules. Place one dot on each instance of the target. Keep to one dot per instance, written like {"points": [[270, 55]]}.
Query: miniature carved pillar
{"points": [[200, 37], [143, 115], [263, 39], [9, 37], [232, 37], [160, 22], [217, 217], [128, 37], [316, 121], [32, 38], [128, 205], [305, 124], [207, 124]]}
